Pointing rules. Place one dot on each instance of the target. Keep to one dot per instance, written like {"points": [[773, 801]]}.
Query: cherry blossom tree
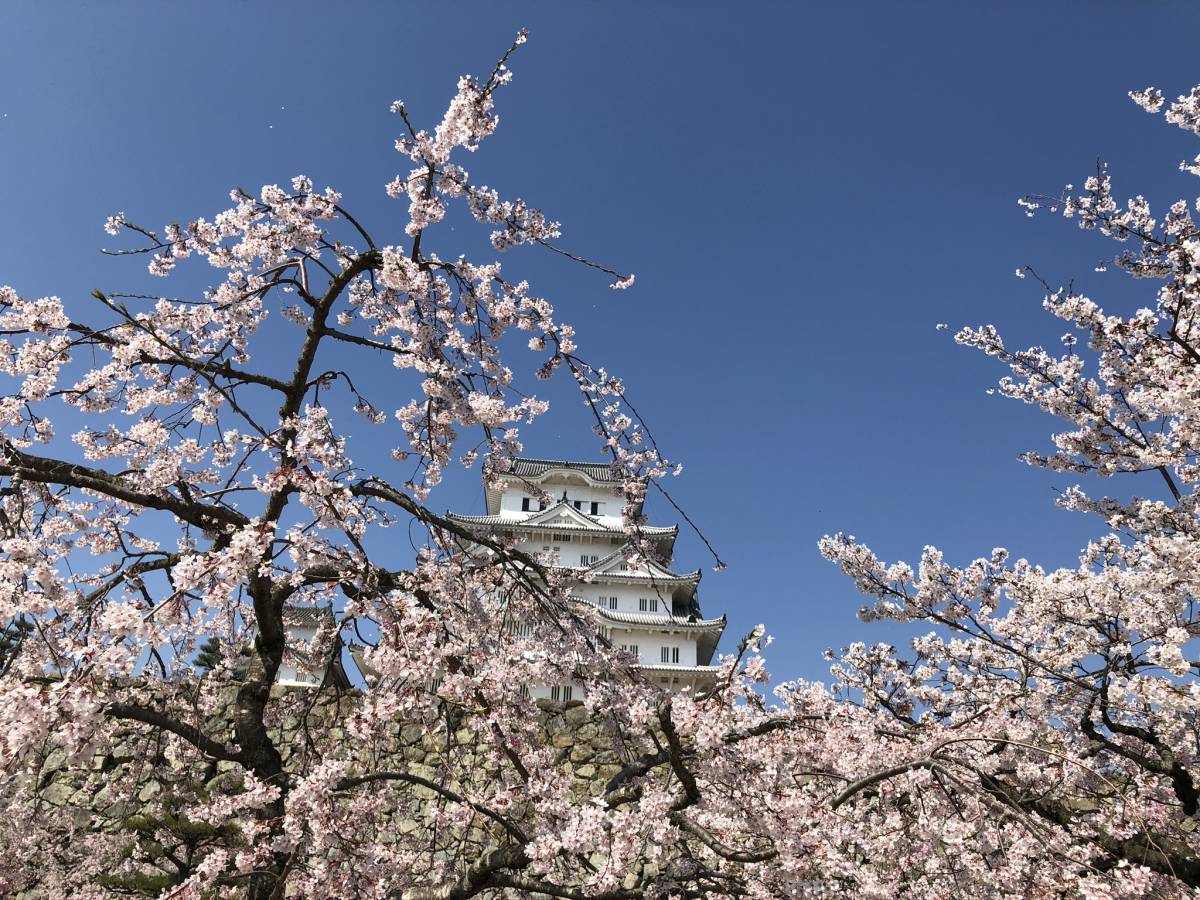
{"points": [[149, 559], [1043, 737], [1040, 740]]}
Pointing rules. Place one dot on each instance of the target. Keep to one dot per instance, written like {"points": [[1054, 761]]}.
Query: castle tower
{"points": [[649, 610]]}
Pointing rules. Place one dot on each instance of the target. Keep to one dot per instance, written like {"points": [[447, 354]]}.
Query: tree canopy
{"points": [[1040, 740]]}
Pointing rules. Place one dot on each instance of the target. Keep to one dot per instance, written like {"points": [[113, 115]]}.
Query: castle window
{"points": [[630, 648], [650, 605], [521, 629], [670, 654], [561, 692], [524, 504], [578, 504], [595, 508]]}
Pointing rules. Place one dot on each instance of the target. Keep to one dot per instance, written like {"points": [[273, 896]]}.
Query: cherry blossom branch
{"points": [[709, 840], [52, 471], [191, 734], [506, 823]]}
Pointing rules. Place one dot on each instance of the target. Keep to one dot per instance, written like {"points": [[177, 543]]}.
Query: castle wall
{"points": [[139, 779]]}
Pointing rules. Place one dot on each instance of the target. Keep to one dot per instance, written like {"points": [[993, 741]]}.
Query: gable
{"points": [[617, 564], [564, 514]]}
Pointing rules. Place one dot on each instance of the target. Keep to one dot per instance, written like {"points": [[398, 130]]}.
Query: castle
{"points": [[643, 606]]}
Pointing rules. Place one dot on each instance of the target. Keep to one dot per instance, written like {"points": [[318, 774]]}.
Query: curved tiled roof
{"points": [[593, 577], [661, 621], [593, 525], [532, 468], [595, 572], [588, 576], [678, 667], [306, 616]]}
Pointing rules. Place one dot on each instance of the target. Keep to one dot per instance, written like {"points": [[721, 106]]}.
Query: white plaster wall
{"points": [[569, 552], [289, 673], [627, 596], [547, 692], [650, 643], [610, 502], [510, 504]]}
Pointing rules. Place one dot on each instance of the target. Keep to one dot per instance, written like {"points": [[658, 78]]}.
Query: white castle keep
{"points": [[644, 608]]}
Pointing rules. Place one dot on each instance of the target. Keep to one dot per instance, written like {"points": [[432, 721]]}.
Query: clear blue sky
{"points": [[803, 189]]}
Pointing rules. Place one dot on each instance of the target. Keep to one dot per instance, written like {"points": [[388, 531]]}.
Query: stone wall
{"points": [[135, 788]]}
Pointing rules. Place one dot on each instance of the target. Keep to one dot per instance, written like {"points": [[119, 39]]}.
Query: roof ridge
{"points": [[667, 619], [498, 519], [594, 568], [532, 466], [567, 462]]}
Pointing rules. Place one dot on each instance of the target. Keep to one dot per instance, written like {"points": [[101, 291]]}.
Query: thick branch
{"points": [[710, 841], [484, 874], [511, 827], [864, 783], [189, 733], [691, 790], [55, 471]]}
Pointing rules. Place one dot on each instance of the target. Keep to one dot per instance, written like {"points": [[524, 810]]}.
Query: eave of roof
{"points": [[509, 522], [533, 470], [306, 616], [661, 621], [595, 572], [590, 576], [680, 669], [688, 578], [525, 467]]}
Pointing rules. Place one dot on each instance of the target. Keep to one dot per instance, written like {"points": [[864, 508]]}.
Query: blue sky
{"points": [[803, 190]]}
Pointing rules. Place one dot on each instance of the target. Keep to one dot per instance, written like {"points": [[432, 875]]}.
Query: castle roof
{"points": [[615, 567], [677, 668], [657, 620], [563, 517], [597, 474], [708, 631], [535, 468], [306, 616], [574, 519]]}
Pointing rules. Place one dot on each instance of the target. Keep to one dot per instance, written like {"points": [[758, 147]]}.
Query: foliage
{"points": [[1044, 735], [207, 488], [12, 636], [1041, 741], [210, 655]]}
